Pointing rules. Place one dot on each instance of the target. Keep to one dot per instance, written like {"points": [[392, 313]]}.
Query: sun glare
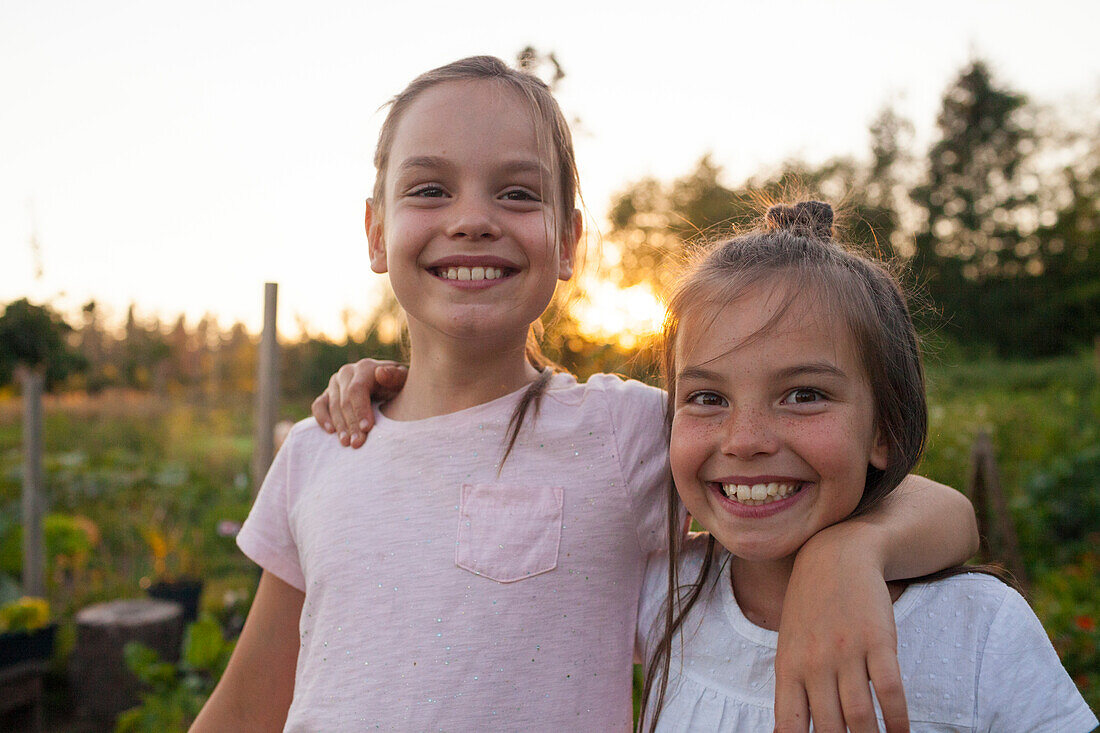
{"points": [[624, 315]]}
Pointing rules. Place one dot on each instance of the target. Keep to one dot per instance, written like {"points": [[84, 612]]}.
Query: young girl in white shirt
{"points": [[796, 401], [477, 564]]}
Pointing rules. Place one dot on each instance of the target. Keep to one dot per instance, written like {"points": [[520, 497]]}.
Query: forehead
{"points": [[772, 320], [478, 118]]}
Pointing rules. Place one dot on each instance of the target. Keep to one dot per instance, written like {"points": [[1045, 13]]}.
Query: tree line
{"points": [[997, 223]]}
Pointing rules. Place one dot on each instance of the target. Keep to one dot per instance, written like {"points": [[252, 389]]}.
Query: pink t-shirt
{"points": [[440, 595]]}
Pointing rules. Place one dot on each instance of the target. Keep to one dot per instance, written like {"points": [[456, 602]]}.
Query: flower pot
{"points": [[185, 592], [36, 645]]}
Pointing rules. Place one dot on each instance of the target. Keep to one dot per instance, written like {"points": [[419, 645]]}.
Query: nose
{"points": [[748, 433], [473, 219]]}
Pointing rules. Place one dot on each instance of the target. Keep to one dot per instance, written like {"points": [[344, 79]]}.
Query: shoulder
{"points": [[977, 597], [979, 587], [629, 407], [308, 445], [609, 387], [306, 431], [689, 560], [620, 388], [655, 585], [693, 553]]}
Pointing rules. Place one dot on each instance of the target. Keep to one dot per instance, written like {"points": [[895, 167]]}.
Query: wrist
{"points": [[852, 542]]}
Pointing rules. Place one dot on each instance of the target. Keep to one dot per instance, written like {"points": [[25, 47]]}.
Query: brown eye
{"points": [[428, 192], [519, 194], [802, 396], [707, 399]]}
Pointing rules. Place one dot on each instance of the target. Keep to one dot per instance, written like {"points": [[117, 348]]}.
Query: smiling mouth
{"points": [[759, 494], [471, 273]]}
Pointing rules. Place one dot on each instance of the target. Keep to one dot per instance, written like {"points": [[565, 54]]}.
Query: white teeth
{"points": [[757, 494], [471, 273]]}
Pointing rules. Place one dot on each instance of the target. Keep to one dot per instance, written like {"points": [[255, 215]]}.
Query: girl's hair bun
{"points": [[807, 218]]}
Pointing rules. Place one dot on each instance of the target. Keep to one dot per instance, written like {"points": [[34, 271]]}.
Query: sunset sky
{"points": [[179, 155]]}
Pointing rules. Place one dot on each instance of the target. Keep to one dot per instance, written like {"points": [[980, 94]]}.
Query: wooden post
{"points": [[33, 381], [996, 529], [267, 390]]}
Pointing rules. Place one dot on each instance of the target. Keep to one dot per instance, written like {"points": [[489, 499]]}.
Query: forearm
{"points": [[256, 690], [920, 528]]}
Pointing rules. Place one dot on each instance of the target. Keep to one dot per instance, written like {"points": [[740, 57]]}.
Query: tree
{"points": [[653, 225], [35, 336], [1008, 244], [974, 245]]}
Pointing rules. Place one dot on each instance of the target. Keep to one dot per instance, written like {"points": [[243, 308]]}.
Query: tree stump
{"points": [[102, 684]]}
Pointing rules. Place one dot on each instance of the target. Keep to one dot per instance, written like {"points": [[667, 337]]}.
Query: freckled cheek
{"points": [[690, 447], [833, 450]]}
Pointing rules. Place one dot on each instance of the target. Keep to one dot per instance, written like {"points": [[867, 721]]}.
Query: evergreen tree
{"points": [[973, 249]]}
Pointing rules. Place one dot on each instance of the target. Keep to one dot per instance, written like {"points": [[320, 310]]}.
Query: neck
{"points": [[759, 586], [449, 376]]}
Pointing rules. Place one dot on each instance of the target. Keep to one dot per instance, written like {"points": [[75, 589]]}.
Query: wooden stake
{"points": [[33, 381], [267, 392], [999, 542]]}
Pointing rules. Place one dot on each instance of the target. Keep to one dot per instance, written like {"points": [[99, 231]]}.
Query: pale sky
{"points": [[179, 155]]}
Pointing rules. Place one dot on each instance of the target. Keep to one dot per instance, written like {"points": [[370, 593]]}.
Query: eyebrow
{"points": [[697, 373], [525, 166], [816, 368], [435, 162], [423, 161]]}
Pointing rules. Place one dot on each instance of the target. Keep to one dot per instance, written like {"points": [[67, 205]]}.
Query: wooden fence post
{"points": [[999, 542], [33, 381], [267, 390]]}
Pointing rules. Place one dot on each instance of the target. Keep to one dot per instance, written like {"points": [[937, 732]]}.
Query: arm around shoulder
{"points": [[920, 528], [256, 690]]}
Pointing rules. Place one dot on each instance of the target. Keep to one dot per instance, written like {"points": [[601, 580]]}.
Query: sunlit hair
{"points": [[555, 144], [793, 253]]}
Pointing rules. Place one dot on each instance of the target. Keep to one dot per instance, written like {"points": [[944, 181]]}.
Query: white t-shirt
{"points": [[440, 595], [973, 657]]}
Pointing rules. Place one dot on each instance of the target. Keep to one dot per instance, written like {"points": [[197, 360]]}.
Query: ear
{"points": [[568, 251], [880, 451], [375, 242]]}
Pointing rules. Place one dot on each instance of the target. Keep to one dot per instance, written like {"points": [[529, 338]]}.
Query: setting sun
{"points": [[624, 315]]}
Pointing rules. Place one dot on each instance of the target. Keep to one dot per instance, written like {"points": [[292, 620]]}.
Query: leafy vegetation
{"points": [[175, 693]]}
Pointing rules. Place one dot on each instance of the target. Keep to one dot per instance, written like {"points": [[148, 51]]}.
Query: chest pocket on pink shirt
{"points": [[508, 533]]}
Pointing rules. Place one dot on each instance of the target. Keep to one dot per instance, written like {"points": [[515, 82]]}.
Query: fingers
{"points": [[824, 701], [792, 710], [333, 393], [390, 378], [320, 411], [366, 381], [344, 408], [855, 700], [885, 675]]}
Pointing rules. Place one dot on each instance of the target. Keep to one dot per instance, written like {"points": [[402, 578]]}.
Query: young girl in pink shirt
{"points": [[477, 564]]}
